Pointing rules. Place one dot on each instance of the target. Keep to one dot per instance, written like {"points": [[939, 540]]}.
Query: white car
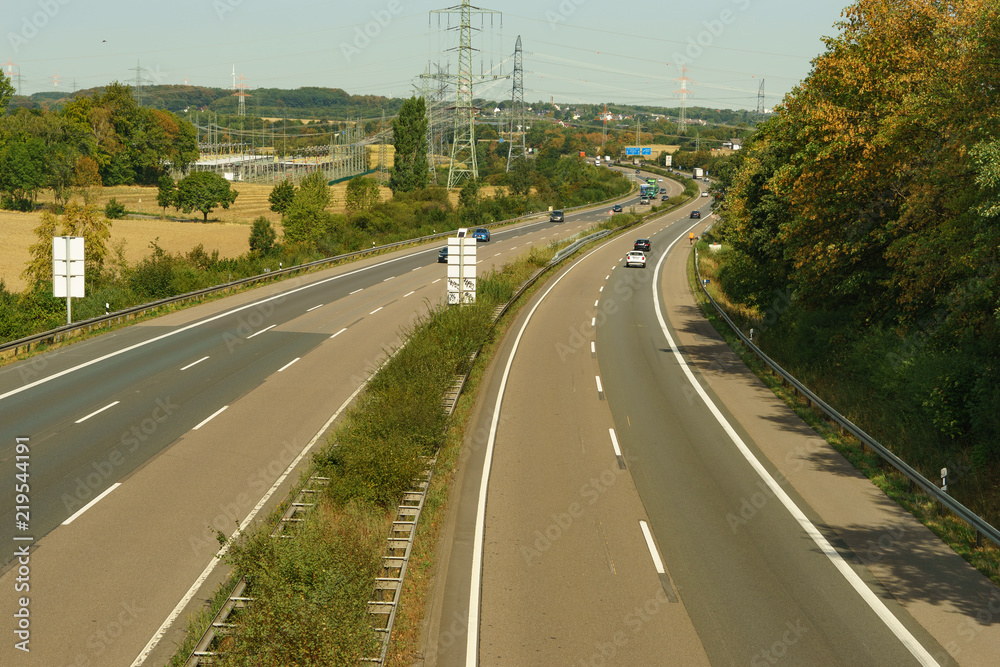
{"points": [[636, 258], [704, 193]]}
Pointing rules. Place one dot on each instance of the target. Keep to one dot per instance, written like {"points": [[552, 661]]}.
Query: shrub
{"points": [[114, 210]]}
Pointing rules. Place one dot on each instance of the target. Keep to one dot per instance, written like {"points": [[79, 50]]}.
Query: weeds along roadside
{"points": [[312, 591], [949, 528], [371, 458]]}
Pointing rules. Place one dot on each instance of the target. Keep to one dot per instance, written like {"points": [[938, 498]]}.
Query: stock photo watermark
{"points": [[34, 23], [364, 34], [713, 30]]}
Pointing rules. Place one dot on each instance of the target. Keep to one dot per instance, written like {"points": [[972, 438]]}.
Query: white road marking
{"points": [[93, 502], [596, 303], [211, 417], [593, 322], [436, 281], [600, 389], [218, 557], [289, 364], [194, 363], [872, 600], [388, 279], [314, 308], [408, 294], [261, 331], [657, 561], [497, 255], [97, 412], [593, 348], [376, 310], [602, 289], [614, 442], [339, 332], [207, 320], [355, 291]]}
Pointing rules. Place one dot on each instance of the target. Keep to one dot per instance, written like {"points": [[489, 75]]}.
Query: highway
{"points": [[632, 495], [147, 441]]}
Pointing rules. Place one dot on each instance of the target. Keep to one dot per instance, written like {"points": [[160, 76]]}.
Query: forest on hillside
{"points": [[864, 225]]}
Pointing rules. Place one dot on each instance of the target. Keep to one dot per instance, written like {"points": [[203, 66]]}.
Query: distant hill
{"points": [[310, 102]]}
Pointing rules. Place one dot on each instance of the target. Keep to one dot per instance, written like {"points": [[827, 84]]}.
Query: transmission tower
{"points": [[604, 131], [432, 88], [761, 110], [10, 67], [383, 152], [518, 148], [684, 92], [55, 80], [240, 93], [463, 148], [139, 81]]}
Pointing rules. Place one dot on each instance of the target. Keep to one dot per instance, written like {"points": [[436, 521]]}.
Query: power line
{"points": [[518, 149]]}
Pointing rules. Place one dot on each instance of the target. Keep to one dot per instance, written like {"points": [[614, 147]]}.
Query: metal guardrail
{"points": [[983, 528], [69, 330]]}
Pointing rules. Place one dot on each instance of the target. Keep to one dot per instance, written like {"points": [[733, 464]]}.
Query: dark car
{"points": [[443, 255], [664, 197], [695, 214], [556, 216], [481, 234], [617, 208], [641, 244], [663, 191]]}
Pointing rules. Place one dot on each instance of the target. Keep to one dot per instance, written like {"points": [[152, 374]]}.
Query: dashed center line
{"points": [[388, 279], [261, 331], [210, 417], [436, 281], [97, 412], [376, 310], [339, 332], [408, 294], [657, 562], [194, 363], [355, 291], [600, 389], [314, 308]]}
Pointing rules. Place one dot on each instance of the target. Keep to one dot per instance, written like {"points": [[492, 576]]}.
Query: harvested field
{"points": [[227, 231]]}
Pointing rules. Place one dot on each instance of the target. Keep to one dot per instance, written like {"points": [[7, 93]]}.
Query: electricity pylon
{"points": [[518, 148], [463, 148]]}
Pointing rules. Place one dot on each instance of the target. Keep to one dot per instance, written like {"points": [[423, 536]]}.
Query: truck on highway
{"points": [[697, 172]]}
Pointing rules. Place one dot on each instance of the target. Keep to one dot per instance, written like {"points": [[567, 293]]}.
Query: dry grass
{"points": [[227, 231]]}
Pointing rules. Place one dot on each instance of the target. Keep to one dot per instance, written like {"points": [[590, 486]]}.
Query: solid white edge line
{"points": [[289, 364], [339, 332], [97, 412], [261, 331], [657, 561], [872, 600], [194, 325], [472, 639], [614, 442], [314, 308], [220, 554], [93, 502], [210, 418], [194, 363], [376, 310]]}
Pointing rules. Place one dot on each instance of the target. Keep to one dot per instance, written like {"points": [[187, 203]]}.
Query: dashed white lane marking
{"points": [[210, 417], [339, 332], [289, 364], [261, 331], [93, 502], [355, 291], [97, 412], [194, 363], [314, 308], [376, 310], [657, 561]]}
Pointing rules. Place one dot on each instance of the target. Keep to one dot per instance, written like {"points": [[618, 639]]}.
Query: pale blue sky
{"points": [[575, 50]]}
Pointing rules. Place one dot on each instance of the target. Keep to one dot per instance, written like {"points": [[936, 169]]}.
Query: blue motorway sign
{"points": [[635, 150]]}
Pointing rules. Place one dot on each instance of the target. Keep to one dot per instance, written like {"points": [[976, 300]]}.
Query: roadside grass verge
{"points": [[950, 529]]}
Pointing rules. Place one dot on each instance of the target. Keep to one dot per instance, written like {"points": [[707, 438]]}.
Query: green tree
{"points": [[281, 196], [262, 236], [166, 194], [306, 219], [6, 92], [22, 172], [203, 191], [362, 194], [519, 178], [410, 170]]}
